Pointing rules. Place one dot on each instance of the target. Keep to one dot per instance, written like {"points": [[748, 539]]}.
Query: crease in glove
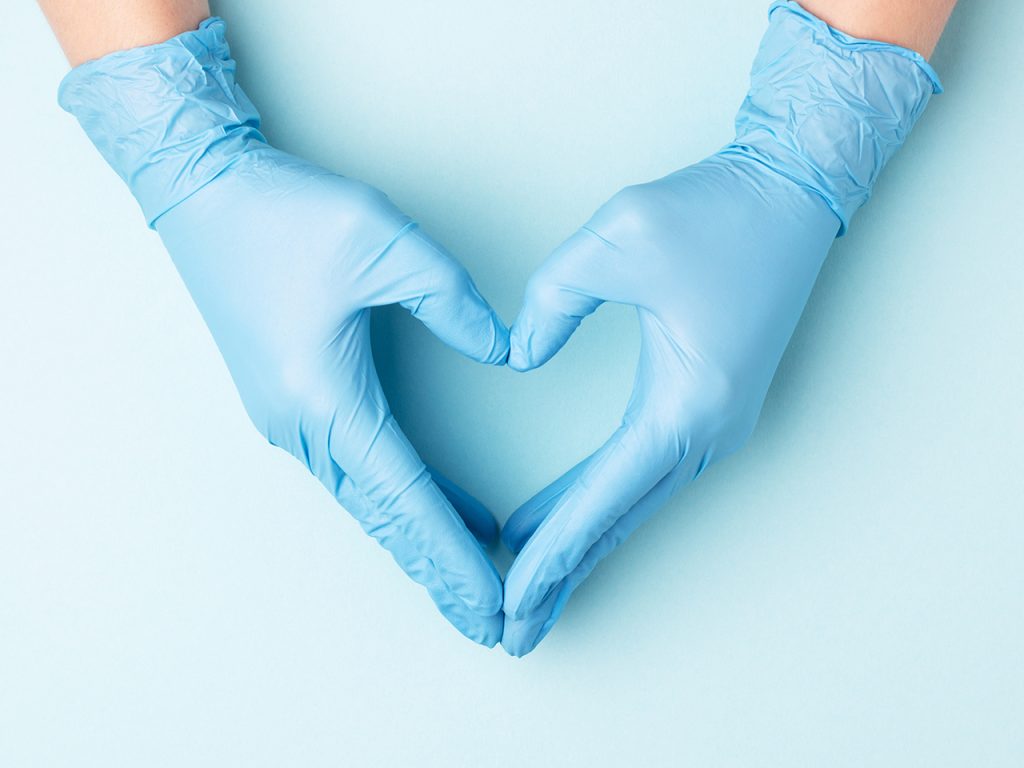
{"points": [[168, 118], [827, 110]]}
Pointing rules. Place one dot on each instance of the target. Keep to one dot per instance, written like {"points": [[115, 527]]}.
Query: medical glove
{"points": [[719, 260], [284, 260]]}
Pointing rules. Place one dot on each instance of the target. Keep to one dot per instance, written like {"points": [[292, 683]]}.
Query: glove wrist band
{"points": [[828, 110], [825, 110], [169, 117]]}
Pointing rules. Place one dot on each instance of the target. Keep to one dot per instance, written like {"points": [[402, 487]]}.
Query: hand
{"points": [[284, 260], [719, 260]]}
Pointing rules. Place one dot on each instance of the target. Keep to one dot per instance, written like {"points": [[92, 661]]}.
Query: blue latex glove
{"points": [[284, 260], [719, 260]]}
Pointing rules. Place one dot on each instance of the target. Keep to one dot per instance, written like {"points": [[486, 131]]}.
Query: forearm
{"points": [[88, 29], [913, 24]]}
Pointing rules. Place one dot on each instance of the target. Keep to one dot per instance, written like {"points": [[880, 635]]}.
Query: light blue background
{"points": [[847, 591]]}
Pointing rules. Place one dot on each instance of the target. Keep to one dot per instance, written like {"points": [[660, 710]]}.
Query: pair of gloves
{"points": [[285, 259]]}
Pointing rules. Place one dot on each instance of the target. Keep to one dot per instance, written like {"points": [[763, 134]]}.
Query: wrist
{"points": [[169, 117], [828, 110]]}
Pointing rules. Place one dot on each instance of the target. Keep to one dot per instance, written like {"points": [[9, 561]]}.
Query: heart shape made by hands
{"points": [[285, 261]]}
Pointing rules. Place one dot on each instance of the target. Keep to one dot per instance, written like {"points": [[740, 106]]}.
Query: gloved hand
{"points": [[284, 260], [719, 260]]}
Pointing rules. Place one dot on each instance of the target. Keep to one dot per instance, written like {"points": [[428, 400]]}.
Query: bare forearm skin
{"points": [[913, 24], [88, 29]]}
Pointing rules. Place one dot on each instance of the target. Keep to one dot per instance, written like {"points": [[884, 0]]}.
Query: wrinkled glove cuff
{"points": [[168, 117], [828, 110]]}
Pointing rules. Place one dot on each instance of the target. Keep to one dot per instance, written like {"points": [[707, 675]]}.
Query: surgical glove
{"points": [[719, 260], [284, 260]]}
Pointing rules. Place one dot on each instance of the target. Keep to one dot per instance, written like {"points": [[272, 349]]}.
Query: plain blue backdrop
{"points": [[846, 591]]}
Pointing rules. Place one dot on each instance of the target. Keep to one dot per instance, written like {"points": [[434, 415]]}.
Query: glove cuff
{"points": [[168, 118], [828, 110]]}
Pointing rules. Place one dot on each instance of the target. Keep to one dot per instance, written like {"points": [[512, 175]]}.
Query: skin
{"points": [[88, 29], [914, 24]]}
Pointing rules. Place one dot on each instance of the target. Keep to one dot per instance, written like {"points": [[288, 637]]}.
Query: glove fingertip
{"points": [[502, 342], [491, 630], [519, 361], [519, 600], [516, 532], [516, 641], [483, 630], [522, 636], [523, 355], [515, 648], [488, 599], [492, 343]]}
